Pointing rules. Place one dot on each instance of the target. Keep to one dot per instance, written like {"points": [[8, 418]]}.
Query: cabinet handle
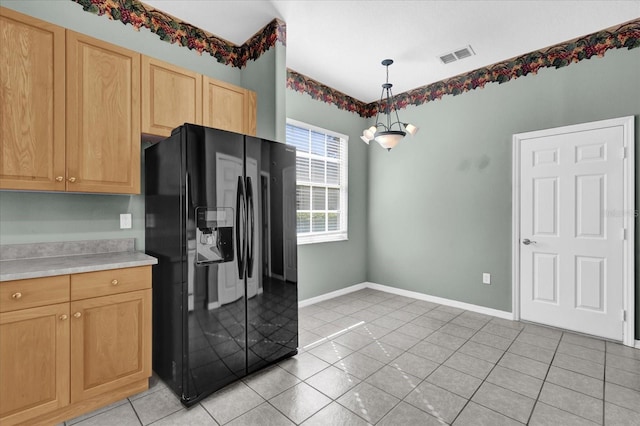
{"points": [[59, 178], [114, 282], [63, 317], [16, 296], [77, 315], [72, 179]]}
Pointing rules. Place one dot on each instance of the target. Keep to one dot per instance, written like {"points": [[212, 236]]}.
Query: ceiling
{"points": [[341, 43]]}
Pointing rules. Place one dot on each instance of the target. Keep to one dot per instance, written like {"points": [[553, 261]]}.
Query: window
{"points": [[321, 182]]}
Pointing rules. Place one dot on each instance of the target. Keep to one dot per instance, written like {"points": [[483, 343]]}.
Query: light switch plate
{"points": [[486, 278], [125, 221]]}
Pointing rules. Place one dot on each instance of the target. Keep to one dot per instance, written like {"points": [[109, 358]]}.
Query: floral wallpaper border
{"points": [[173, 30], [560, 55]]}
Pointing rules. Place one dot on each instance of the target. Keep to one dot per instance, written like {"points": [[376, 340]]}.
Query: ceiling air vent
{"points": [[449, 57], [457, 54]]}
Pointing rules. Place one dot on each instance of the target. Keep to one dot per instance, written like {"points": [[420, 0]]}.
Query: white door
{"points": [[572, 229], [228, 168]]}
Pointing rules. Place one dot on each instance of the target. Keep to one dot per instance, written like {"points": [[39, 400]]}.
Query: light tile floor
{"points": [[371, 357]]}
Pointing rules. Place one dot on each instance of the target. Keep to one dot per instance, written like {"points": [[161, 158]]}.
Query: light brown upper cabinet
{"points": [[103, 116], [32, 103], [69, 110], [171, 96], [229, 107]]}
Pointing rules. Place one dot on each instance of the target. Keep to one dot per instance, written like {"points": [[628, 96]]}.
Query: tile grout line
{"points": [[375, 339], [344, 305], [572, 390], [604, 384], [485, 379], [437, 415], [544, 380], [442, 363], [453, 353], [363, 381], [456, 351], [555, 351], [384, 365], [404, 351], [340, 359], [433, 413]]}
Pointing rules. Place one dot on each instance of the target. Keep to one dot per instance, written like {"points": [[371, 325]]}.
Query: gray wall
{"points": [[38, 217], [440, 204], [430, 216], [331, 266], [266, 76]]}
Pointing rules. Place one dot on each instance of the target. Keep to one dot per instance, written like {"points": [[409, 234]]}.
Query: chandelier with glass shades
{"points": [[387, 133]]}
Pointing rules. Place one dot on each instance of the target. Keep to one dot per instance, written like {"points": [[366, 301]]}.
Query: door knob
{"points": [[527, 241]]}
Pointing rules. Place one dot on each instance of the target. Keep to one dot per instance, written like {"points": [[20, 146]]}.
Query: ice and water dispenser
{"points": [[214, 235]]}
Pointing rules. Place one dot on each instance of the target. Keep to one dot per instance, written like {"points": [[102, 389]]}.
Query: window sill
{"points": [[327, 238]]}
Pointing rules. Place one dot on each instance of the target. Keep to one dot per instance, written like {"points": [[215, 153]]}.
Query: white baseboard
{"points": [[638, 344], [408, 293], [330, 295], [442, 301]]}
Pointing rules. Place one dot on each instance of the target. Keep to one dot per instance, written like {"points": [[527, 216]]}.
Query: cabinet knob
{"points": [[77, 315], [16, 296], [114, 282], [63, 317], [59, 178], [72, 179]]}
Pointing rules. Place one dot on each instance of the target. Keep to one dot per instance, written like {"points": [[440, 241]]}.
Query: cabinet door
{"points": [[103, 117], [34, 366], [110, 343], [228, 107], [32, 103], [171, 96]]}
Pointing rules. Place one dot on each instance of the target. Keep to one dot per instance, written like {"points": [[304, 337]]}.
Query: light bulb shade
{"points": [[364, 138], [389, 138], [370, 132], [410, 128]]}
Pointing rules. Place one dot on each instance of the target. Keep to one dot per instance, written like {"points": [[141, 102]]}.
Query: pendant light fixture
{"points": [[383, 131]]}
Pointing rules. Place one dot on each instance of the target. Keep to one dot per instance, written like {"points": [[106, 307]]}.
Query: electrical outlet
{"points": [[486, 278], [125, 221]]}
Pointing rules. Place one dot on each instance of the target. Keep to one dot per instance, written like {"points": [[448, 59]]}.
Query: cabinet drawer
{"points": [[30, 293], [113, 281]]}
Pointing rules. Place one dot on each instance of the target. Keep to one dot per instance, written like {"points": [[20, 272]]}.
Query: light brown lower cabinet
{"points": [[34, 366], [61, 360]]}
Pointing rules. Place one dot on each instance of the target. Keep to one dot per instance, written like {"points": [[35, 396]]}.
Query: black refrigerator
{"points": [[221, 220]]}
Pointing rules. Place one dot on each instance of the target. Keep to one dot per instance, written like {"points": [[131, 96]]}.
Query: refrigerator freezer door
{"points": [[216, 344]]}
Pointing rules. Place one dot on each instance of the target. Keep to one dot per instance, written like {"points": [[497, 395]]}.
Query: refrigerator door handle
{"points": [[240, 222], [251, 229]]}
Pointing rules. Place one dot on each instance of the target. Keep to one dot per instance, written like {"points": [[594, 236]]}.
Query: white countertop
{"points": [[18, 269]]}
